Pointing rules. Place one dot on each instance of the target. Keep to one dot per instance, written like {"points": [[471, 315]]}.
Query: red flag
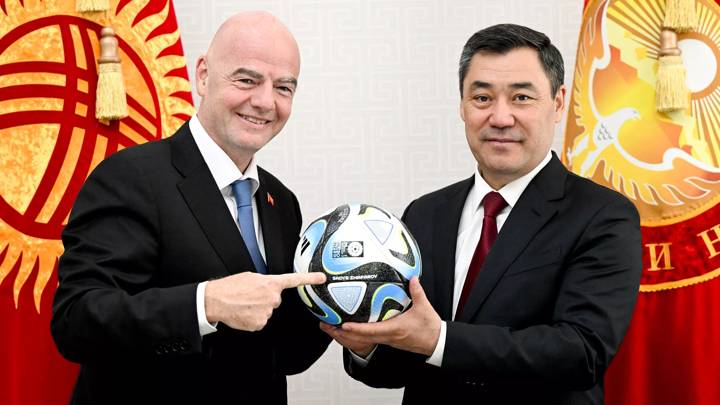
{"points": [[49, 143], [668, 164]]}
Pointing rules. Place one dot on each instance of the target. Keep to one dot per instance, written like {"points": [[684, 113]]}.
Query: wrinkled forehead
{"points": [[521, 65]]}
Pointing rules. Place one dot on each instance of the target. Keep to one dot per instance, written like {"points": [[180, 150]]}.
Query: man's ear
{"points": [[201, 75], [560, 103]]}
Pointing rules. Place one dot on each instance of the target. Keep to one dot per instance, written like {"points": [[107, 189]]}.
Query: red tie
{"points": [[493, 203]]}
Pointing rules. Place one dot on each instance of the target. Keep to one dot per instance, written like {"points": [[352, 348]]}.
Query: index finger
{"points": [[292, 280]]}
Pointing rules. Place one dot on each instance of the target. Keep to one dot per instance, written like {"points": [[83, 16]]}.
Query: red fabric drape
{"points": [[32, 371], [671, 353]]}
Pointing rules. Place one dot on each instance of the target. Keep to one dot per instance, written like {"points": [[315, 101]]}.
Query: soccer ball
{"points": [[368, 257]]}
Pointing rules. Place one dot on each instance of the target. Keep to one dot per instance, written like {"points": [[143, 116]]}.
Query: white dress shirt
{"points": [[224, 172]]}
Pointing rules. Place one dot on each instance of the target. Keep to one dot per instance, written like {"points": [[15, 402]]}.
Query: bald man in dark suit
{"points": [[172, 285]]}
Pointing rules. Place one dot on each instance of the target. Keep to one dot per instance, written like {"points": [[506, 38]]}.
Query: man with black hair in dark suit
{"points": [[530, 273]]}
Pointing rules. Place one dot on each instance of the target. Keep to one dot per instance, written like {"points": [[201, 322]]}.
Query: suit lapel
{"points": [[271, 224], [206, 203], [447, 219], [534, 208]]}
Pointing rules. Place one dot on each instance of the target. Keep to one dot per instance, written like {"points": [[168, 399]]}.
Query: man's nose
{"points": [[263, 97], [501, 115]]}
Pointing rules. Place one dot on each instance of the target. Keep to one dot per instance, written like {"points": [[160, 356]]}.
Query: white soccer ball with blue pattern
{"points": [[368, 257]]}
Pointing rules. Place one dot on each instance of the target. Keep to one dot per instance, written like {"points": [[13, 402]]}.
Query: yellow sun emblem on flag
{"points": [[49, 138], [667, 163]]}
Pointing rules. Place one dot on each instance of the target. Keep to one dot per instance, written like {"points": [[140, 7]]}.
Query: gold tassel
{"points": [[84, 6], [110, 102], [671, 91], [680, 15]]}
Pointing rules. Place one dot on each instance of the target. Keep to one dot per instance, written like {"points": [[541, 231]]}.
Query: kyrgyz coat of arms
{"points": [[668, 164]]}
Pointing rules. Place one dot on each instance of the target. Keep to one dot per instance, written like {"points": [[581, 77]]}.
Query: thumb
{"points": [[416, 291]]}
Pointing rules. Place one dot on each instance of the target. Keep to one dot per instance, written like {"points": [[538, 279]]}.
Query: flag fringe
{"points": [[671, 91], [680, 15], [110, 102], [85, 6]]}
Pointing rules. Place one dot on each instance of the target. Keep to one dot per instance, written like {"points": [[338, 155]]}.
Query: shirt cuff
{"points": [[204, 326], [437, 356], [362, 361]]}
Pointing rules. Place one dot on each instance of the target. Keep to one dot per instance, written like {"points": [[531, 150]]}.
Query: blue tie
{"points": [[243, 198]]}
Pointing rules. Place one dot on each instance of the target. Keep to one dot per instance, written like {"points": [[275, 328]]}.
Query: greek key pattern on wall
{"points": [[376, 117]]}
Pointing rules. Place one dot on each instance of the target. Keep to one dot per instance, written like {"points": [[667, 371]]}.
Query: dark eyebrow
{"points": [[478, 84], [523, 85]]}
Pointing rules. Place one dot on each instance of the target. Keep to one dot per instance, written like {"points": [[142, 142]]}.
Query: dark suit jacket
{"points": [[147, 227], [549, 308]]}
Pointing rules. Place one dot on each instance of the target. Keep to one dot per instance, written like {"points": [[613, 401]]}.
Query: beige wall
{"points": [[376, 118]]}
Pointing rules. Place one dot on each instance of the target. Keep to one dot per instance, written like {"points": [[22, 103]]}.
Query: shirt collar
{"points": [[223, 169], [511, 192]]}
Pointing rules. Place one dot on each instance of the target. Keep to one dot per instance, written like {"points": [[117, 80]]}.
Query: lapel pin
{"points": [[270, 199]]}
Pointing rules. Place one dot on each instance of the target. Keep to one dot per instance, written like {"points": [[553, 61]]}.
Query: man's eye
{"points": [[285, 89], [481, 98], [522, 97]]}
